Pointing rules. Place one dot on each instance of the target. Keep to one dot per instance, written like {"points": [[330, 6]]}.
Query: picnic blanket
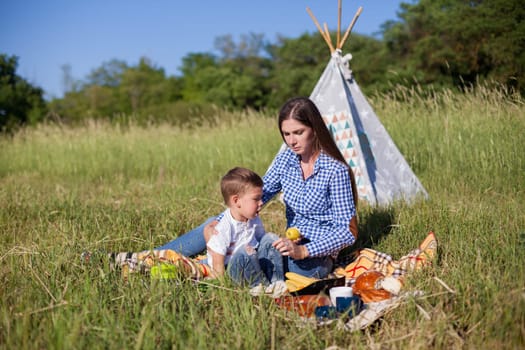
{"points": [[145, 261], [369, 261], [366, 260], [373, 260]]}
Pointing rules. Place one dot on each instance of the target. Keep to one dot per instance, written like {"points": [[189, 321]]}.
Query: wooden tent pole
{"points": [[357, 14], [326, 39], [329, 38], [339, 10]]}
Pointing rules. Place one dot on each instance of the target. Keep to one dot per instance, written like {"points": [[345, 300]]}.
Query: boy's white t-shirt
{"points": [[233, 235]]}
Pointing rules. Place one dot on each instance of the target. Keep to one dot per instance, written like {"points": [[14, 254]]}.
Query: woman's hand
{"points": [[210, 230], [288, 248]]}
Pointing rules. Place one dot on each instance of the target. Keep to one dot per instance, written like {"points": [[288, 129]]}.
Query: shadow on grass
{"points": [[373, 226]]}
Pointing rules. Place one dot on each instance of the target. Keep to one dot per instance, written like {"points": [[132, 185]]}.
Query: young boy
{"points": [[241, 246]]}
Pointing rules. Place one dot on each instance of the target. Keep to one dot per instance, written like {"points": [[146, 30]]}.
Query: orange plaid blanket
{"points": [[369, 259]]}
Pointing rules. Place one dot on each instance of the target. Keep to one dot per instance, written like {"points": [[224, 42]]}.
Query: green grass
{"points": [[64, 190]]}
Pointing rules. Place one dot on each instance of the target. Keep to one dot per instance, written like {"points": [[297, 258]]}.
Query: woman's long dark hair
{"points": [[306, 112]]}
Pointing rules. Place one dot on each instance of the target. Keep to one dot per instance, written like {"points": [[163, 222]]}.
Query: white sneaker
{"points": [[276, 289], [257, 291]]}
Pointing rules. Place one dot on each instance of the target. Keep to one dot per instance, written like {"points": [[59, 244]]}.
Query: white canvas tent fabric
{"points": [[381, 172]]}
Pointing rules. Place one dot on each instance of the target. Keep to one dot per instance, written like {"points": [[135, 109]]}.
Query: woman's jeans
{"points": [[310, 267], [191, 243]]}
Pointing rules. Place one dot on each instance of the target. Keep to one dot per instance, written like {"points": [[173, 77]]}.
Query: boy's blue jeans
{"points": [[261, 266]]}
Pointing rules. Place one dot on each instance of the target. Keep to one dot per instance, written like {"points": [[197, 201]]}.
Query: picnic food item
{"points": [[368, 280], [295, 281], [368, 287], [292, 233], [301, 285], [163, 271], [304, 305], [392, 284]]}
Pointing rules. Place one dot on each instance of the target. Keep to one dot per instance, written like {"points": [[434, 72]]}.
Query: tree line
{"points": [[434, 44]]}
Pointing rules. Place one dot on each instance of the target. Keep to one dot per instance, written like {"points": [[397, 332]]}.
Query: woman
{"points": [[318, 191]]}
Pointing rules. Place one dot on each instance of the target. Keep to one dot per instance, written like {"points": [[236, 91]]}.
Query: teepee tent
{"points": [[381, 172]]}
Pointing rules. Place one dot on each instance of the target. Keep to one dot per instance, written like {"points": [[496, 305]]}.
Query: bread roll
{"points": [[368, 287]]}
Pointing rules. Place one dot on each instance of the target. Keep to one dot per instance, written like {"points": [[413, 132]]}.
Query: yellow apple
{"points": [[292, 233]]}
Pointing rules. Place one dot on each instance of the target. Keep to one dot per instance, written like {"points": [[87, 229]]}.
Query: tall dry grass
{"points": [[64, 190]]}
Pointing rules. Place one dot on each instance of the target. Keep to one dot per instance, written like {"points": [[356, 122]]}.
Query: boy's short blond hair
{"points": [[238, 181]]}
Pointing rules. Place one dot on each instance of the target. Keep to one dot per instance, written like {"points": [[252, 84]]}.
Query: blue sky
{"points": [[47, 34]]}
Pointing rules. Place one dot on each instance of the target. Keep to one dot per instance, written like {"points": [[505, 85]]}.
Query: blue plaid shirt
{"points": [[321, 206]]}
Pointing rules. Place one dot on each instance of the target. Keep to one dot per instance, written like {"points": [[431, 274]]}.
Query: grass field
{"points": [[112, 188]]}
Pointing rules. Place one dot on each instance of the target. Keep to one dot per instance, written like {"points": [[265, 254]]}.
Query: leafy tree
{"points": [[143, 85], [108, 74], [230, 86], [116, 89], [298, 64], [21, 103], [249, 68], [192, 66], [370, 62], [73, 107], [434, 42], [250, 45], [233, 79], [459, 42]]}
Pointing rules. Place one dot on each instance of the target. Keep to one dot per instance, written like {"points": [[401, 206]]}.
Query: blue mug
{"points": [[325, 312], [351, 306]]}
